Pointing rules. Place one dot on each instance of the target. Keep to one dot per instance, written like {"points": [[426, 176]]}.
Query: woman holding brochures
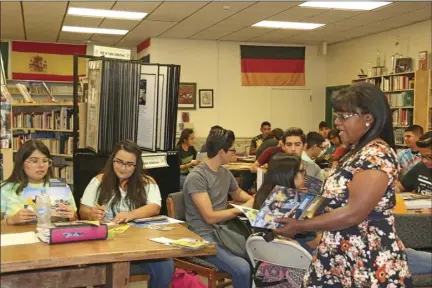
{"points": [[32, 168], [359, 246], [122, 193]]}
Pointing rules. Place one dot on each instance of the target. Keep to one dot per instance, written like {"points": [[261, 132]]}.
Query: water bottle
{"points": [[43, 206]]}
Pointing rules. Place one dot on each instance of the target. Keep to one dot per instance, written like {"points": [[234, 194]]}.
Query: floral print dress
{"points": [[369, 254]]}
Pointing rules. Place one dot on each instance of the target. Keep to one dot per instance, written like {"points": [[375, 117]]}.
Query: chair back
{"points": [[176, 206], [413, 229]]}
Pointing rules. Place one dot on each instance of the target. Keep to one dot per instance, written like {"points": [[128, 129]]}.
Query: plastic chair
{"points": [[216, 278], [287, 254]]}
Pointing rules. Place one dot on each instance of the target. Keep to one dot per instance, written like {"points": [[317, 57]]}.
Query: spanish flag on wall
{"points": [[45, 61], [272, 66]]}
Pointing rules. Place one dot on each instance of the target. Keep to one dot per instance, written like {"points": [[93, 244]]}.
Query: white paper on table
{"points": [[418, 204], [19, 238]]}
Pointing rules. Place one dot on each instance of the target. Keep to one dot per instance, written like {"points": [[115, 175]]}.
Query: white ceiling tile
{"points": [[105, 39], [94, 5], [69, 36], [204, 18], [145, 30], [175, 11], [253, 14], [119, 24], [82, 21], [11, 21], [331, 16], [246, 34], [276, 35], [49, 28], [139, 6], [297, 14]]}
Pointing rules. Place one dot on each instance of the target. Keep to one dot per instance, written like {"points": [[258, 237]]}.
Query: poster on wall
{"points": [[187, 96], [147, 115], [93, 104]]}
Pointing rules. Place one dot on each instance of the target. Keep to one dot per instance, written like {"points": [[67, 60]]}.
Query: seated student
{"points": [[258, 140], [187, 153], [294, 142], [123, 192], [409, 157], [32, 168], [203, 147], [337, 148], [206, 192], [272, 140], [419, 178], [324, 130]]}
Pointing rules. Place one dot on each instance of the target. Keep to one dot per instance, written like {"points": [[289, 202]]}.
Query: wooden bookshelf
{"points": [[51, 104], [42, 130], [398, 91], [55, 154]]}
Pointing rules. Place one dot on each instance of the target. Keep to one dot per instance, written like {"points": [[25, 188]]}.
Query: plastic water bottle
{"points": [[43, 206]]}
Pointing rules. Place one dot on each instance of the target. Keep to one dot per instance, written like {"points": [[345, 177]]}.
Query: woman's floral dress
{"points": [[369, 254]]}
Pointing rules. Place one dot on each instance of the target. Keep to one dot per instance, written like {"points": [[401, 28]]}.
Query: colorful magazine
{"points": [[58, 196], [313, 185], [281, 203]]}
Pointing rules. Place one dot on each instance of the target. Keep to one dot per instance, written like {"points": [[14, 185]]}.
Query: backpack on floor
{"points": [[186, 279]]}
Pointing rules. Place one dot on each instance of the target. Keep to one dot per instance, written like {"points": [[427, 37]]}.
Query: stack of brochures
{"points": [[186, 243], [284, 202]]}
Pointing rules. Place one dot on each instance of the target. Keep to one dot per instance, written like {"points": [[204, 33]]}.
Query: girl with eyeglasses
{"points": [[122, 193], [32, 168]]}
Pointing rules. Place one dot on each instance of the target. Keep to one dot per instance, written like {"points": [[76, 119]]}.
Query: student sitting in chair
{"points": [[409, 157], [206, 192], [122, 193], [32, 168], [187, 153], [258, 140]]}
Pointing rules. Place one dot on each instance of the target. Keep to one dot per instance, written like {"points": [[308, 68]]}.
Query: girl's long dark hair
{"points": [[184, 136], [136, 195], [18, 176], [282, 170]]}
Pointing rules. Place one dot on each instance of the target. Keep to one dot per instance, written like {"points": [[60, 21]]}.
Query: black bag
{"points": [[233, 235]]}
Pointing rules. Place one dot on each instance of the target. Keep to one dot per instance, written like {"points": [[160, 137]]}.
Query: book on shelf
{"points": [[397, 83], [59, 119], [402, 99], [64, 172], [57, 143], [403, 117], [25, 93]]}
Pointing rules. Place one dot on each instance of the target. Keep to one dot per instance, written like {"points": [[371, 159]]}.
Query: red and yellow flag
{"points": [[45, 61]]}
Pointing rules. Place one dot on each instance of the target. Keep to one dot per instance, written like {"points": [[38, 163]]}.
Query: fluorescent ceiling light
{"points": [[287, 25], [93, 30], [100, 13], [345, 5]]}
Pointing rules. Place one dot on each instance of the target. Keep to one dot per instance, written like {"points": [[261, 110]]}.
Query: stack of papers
{"points": [[418, 204], [187, 243], [43, 234], [18, 239]]}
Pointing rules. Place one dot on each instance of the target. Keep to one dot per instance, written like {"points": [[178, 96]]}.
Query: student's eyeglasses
{"points": [[344, 116], [37, 161], [233, 150], [121, 164]]}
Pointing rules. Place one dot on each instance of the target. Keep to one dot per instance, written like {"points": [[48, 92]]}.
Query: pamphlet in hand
{"points": [[58, 196], [283, 203], [313, 185]]}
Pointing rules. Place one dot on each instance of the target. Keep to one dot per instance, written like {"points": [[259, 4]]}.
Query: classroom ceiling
{"points": [[224, 21]]}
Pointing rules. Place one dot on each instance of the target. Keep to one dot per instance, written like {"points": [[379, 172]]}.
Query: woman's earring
{"points": [[367, 124]]}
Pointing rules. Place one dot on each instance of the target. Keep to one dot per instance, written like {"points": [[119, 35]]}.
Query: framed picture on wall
{"points": [[205, 98], [187, 96]]}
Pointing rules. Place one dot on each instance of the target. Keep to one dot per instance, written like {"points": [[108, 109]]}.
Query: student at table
{"points": [[272, 140], [324, 130], [187, 153], [419, 178], [123, 192], [258, 140], [32, 168], [206, 192], [409, 157]]}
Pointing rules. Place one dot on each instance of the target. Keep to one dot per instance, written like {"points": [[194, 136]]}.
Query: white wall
{"points": [[345, 59], [216, 65]]}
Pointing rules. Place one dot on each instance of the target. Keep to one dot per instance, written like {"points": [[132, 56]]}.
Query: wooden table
{"points": [[239, 166], [90, 263]]}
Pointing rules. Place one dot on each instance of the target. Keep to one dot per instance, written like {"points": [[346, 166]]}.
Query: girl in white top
{"points": [[123, 193]]}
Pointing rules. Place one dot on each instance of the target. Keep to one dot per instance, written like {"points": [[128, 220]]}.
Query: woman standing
{"points": [[32, 168], [124, 193], [187, 153], [359, 246]]}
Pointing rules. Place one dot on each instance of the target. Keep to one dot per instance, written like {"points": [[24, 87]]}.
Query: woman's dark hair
{"points": [[334, 133], [366, 98], [425, 140], [282, 170], [136, 195], [18, 176], [217, 140], [184, 136]]}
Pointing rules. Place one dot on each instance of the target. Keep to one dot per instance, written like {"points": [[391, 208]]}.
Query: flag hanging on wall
{"points": [[45, 61], [272, 66]]}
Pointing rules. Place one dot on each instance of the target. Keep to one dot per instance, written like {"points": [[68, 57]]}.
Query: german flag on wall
{"points": [[45, 61], [272, 66]]}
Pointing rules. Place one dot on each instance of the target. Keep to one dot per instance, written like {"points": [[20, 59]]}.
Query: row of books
{"points": [[57, 144], [403, 117], [397, 83], [401, 99], [60, 119], [64, 172], [399, 135]]}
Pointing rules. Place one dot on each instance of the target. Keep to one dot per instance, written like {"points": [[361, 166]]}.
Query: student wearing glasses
{"points": [[122, 193], [32, 168], [206, 192], [419, 178]]}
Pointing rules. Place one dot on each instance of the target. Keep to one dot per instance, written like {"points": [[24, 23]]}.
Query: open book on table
{"points": [[284, 202]]}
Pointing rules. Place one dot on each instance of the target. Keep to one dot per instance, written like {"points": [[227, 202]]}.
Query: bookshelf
{"points": [[409, 96], [46, 120]]}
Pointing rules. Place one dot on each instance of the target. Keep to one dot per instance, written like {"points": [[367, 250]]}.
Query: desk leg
{"points": [[117, 275]]}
